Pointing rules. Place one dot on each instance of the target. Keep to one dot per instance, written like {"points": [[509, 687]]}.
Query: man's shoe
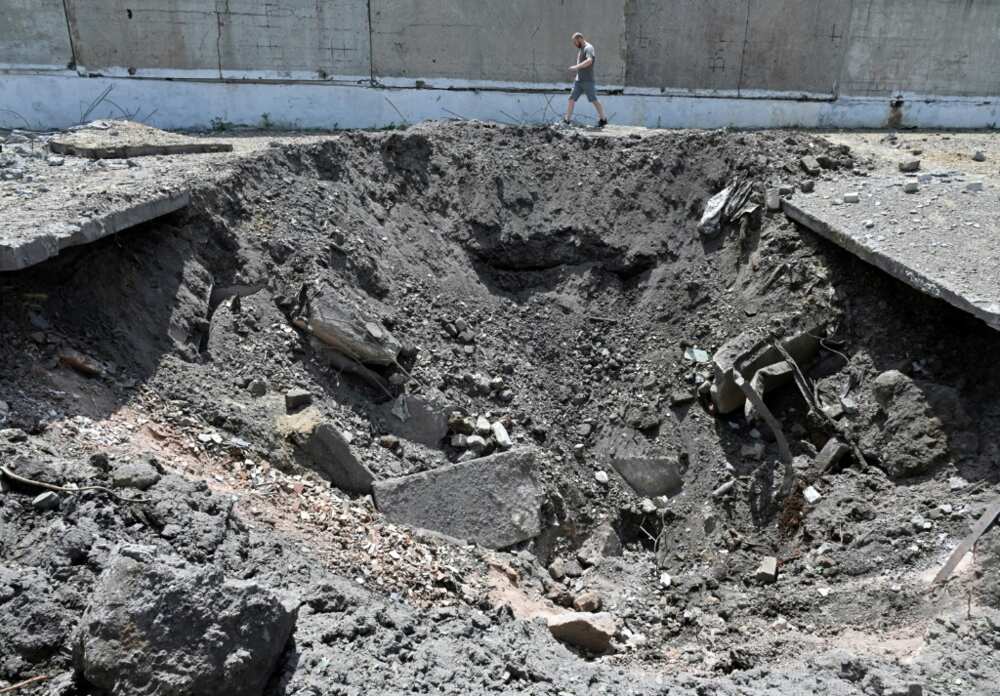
{"points": [[603, 122]]}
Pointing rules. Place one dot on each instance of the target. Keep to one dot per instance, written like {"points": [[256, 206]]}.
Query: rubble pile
{"points": [[466, 407]]}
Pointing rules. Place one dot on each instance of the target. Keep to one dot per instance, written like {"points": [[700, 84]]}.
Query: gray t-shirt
{"points": [[586, 74]]}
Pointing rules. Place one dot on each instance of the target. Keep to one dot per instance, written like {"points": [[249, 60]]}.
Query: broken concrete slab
{"points": [[591, 632], [494, 501], [767, 379], [123, 139], [749, 352], [648, 470], [21, 247], [947, 248], [331, 454]]}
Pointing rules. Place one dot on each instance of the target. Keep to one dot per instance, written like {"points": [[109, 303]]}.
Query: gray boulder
{"points": [[918, 425], [157, 625], [136, 474], [418, 418]]}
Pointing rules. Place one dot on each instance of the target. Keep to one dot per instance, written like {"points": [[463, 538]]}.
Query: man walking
{"points": [[584, 83]]}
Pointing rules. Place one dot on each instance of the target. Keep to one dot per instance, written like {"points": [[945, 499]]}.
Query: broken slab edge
{"points": [[987, 312], [129, 151], [49, 245]]}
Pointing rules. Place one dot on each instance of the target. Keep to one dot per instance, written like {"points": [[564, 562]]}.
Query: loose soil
{"points": [[574, 263]]}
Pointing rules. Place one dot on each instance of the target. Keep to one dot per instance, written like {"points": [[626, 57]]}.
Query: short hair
{"points": [[577, 35]]}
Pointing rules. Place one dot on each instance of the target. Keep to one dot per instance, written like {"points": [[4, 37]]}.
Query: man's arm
{"points": [[582, 66]]}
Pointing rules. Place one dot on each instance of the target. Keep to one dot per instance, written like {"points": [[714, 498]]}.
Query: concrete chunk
{"points": [[767, 571], [591, 632], [494, 501], [332, 456], [833, 451]]}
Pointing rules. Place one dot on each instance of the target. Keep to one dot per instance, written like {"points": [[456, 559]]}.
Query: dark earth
{"points": [[554, 282]]}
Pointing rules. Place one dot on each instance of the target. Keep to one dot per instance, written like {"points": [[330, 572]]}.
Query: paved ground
{"points": [[49, 202], [941, 238]]}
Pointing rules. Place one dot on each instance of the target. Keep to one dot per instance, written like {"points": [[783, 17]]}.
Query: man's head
{"points": [[578, 40]]}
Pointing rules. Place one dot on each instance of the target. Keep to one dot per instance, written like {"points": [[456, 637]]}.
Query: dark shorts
{"points": [[588, 88]]}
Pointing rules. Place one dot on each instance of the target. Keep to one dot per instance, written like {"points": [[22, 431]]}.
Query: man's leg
{"points": [[569, 110], [600, 111]]}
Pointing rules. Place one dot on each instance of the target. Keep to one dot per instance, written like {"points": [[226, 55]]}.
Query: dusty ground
{"points": [[574, 261]]}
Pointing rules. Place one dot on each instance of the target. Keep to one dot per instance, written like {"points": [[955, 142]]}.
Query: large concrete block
{"points": [[494, 501], [298, 39], [33, 34], [942, 48], [513, 41]]}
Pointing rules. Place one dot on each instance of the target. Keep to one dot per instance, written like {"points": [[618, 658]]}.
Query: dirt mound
{"points": [[429, 296]]}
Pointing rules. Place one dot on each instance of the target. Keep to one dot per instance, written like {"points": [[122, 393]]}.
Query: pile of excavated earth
{"points": [[470, 408]]}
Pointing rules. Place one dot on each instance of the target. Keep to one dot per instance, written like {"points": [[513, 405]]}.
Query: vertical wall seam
{"points": [[743, 53], [371, 45], [218, 34], [72, 43]]}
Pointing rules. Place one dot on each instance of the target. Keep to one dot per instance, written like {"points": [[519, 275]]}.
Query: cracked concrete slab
{"points": [[940, 238], [122, 139]]}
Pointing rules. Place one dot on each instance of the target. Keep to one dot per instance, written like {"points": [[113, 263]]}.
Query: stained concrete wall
{"points": [[523, 41], [936, 47], [33, 34], [729, 46], [293, 39]]}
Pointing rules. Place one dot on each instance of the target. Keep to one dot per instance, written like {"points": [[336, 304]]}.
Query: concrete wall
{"points": [[33, 34], [941, 47], [938, 57], [513, 41], [290, 39]]}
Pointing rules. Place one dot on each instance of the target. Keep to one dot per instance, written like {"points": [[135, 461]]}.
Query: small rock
{"points": [[587, 601], [911, 187], [833, 451], [45, 501], [807, 186], [773, 200], [557, 569], [476, 443], [974, 186], [602, 543], [852, 197], [501, 436], [55, 161], [810, 165], [697, 355], [296, 399], [665, 580], [390, 442], [767, 571], [138, 474], [723, 489], [591, 632], [601, 477], [811, 495], [979, 156], [483, 426], [257, 387], [910, 165]]}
